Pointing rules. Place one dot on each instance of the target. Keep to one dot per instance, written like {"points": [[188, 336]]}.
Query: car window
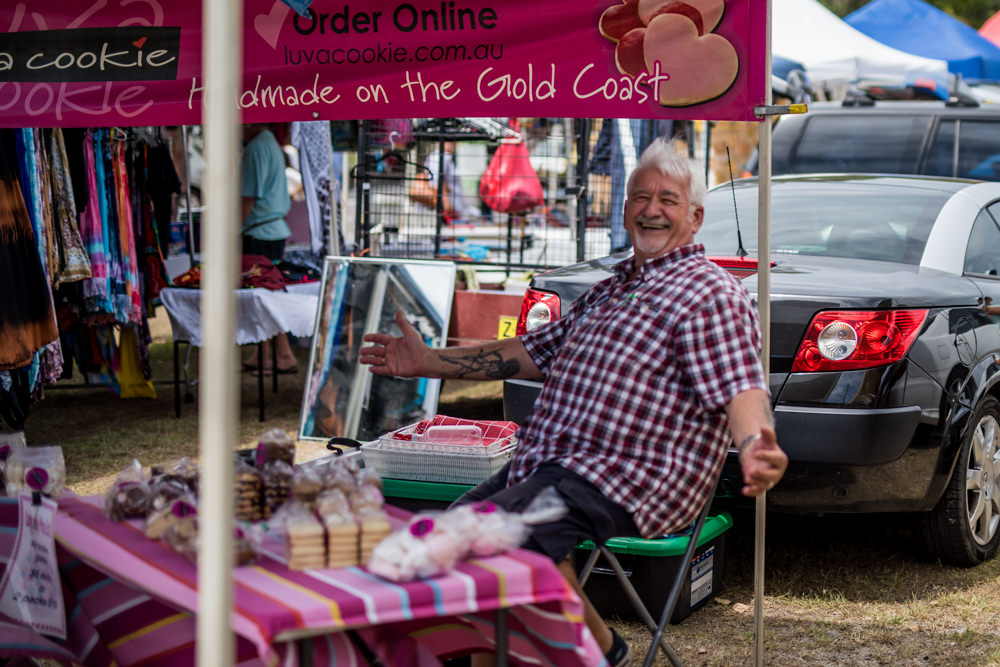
{"points": [[826, 219], [979, 149], [982, 256], [941, 155], [861, 143]]}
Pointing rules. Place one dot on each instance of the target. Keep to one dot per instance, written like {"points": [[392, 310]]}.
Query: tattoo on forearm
{"points": [[491, 364]]}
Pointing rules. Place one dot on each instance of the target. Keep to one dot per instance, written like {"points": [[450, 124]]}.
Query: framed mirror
{"points": [[358, 296]]}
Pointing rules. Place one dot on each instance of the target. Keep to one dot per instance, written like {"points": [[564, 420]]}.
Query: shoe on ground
{"points": [[620, 654]]}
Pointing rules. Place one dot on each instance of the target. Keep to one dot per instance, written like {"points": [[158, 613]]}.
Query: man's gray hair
{"points": [[662, 155]]}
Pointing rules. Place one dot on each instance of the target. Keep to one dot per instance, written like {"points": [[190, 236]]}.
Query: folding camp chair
{"points": [[683, 572]]}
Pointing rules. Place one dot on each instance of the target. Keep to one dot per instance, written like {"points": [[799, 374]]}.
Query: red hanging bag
{"points": [[510, 184]]}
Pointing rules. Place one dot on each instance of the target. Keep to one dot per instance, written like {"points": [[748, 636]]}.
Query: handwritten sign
{"points": [[30, 589], [83, 62]]}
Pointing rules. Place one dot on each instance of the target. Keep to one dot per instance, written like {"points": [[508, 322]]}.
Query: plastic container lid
{"points": [[451, 435]]}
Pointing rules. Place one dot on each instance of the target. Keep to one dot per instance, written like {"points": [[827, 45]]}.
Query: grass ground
{"points": [[840, 590]]}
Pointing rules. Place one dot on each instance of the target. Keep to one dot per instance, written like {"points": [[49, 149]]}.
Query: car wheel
{"points": [[964, 528]]}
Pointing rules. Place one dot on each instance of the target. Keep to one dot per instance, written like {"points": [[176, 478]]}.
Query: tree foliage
{"points": [[972, 12]]}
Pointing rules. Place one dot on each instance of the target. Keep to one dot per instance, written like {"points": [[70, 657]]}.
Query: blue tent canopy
{"points": [[781, 67], [919, 28]]}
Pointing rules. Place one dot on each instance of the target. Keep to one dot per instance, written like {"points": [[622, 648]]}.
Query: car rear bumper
{"points": [[845, 436]]}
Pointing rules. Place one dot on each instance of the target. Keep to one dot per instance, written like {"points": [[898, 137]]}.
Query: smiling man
{"points": [[649, 378]]}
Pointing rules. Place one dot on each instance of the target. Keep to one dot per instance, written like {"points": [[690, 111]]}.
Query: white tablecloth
{"points": [[261, 314]]}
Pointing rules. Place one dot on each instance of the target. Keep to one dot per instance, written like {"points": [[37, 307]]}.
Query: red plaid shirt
{"points": [[638, 375]]}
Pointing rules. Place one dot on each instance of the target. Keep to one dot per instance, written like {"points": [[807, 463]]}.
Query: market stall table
{"points": [[261, 314], [135, 599]]}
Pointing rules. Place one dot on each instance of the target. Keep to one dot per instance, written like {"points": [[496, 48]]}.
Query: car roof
{"points": [[899, 107], [942, 183]]}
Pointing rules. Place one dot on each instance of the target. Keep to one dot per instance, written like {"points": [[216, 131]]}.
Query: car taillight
{"points": [[537, 308], [839, 340], [741, 267]]}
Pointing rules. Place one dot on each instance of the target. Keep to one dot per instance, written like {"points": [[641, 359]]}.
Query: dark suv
{"points": [[956, 138]]}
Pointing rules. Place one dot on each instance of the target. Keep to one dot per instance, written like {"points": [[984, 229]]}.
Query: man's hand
{"points": [[401, 356], [763, 463]]}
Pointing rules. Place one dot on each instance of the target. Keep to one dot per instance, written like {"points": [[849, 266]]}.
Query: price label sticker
{"points": [[507, 327]]}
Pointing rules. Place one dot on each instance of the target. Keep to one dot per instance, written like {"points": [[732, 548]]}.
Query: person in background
{"points": [[455, 193], [650, 376], [265, 203]]}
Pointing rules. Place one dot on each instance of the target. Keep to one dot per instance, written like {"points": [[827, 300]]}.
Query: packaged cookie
{"points": [[340, 473], [306, 484], [8, 441], [305, 539], [182, 533], [243, 552], [36, 469], [129, 495], [275, 445], [182, 470], [248, 489], [276, 477], [164, 490], [159, 521]]}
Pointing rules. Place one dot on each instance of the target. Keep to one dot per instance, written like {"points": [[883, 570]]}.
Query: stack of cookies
{"points": [[341, 528], [306, 543], [248, 494], [374, 529]]}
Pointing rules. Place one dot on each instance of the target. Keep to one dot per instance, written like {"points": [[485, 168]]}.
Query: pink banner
{"points": [[138, 62]]}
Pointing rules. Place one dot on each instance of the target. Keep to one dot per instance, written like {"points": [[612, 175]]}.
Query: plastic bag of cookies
{"points": [[129, 495], [36, 469], [275, 445]]}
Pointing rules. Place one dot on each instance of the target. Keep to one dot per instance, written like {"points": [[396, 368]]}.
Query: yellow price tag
{"points": [[507, 327]]}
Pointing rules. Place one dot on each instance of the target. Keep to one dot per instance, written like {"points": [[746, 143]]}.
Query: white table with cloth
{"points": [[261, 314]]}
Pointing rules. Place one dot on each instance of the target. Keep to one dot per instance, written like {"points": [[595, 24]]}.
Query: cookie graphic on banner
{"points": [[699, 64]]}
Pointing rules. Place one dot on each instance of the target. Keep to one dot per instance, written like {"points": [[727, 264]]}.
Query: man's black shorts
{"points": [[591, 515]]}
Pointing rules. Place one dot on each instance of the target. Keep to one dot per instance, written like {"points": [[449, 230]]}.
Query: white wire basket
{"points": [[394, 458]]}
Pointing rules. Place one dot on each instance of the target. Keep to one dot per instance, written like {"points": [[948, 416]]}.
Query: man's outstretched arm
{"points": [[409, 356]]}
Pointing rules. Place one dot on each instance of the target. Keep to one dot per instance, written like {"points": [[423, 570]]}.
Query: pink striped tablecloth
{"points": [[132, 600]]}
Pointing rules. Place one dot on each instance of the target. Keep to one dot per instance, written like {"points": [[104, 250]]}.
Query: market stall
{"points": [[331, 64]]}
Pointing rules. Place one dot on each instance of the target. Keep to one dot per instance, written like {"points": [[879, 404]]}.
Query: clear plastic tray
{"points": [[431, 462]]}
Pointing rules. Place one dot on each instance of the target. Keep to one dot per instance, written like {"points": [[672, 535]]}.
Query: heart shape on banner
{"points": [[701, 68], [268, 26], [707, 13], [619, 19], [139, 42]]}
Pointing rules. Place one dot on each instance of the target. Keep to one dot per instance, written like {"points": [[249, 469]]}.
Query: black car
{"points": [[959, 138], [884, 354]]}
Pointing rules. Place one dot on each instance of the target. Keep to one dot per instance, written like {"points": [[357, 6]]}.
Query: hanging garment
{"points": [[153, 272], [46, 364], [130, 373], [126, 235], [48, 246], [97, 297], [27, 318], [312, 139], [74, 264], [75, 141], [162, 183]]}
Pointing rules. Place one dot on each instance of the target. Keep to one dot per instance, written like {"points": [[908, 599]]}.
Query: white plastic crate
{"points": [[436, 462]]}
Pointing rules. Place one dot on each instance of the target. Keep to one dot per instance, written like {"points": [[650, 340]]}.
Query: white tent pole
{"points": [[764, 307], [222, 46]]}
